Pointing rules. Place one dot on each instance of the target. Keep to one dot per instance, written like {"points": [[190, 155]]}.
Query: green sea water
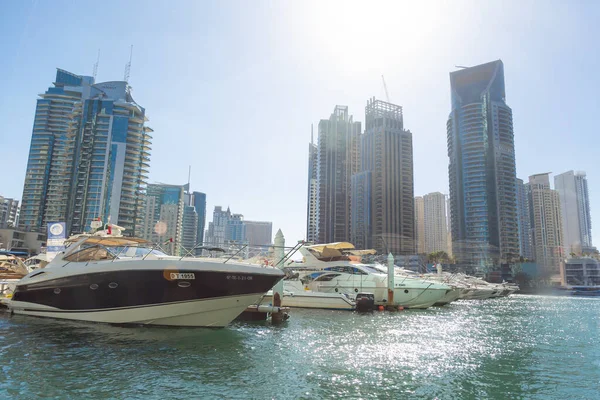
{"points": [[522, 347]]}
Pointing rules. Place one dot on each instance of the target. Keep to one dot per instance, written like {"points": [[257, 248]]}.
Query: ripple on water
{"points": [[520, 347]]}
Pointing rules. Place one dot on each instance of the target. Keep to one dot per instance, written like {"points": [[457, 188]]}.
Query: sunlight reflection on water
{"points": [[520, 347]]}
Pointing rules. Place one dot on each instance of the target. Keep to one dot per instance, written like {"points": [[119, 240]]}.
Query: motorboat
{"points": [[337, 268], [12, 269], [106, 277], [296, 295]]}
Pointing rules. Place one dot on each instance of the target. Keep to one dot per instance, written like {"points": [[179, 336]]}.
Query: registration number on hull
{"points": [[178, 275]]}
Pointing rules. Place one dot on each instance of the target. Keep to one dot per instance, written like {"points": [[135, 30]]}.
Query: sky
{"points": [[231, 88]]}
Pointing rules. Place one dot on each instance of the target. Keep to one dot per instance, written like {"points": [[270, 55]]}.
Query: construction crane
{"points": [[387, 95]]}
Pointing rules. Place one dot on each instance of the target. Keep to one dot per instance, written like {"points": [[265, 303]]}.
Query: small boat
{"points": [[105, 277], [296, 295]]}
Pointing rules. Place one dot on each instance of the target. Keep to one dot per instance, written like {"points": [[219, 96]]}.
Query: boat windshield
{"points": [[98, 252], [135, 251], [372, 269]]}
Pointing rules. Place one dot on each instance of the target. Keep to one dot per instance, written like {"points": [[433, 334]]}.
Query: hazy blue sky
{"points": [[232, 87]]}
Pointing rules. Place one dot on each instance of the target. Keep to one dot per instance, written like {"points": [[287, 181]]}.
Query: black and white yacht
{"points": [[115, 279]]}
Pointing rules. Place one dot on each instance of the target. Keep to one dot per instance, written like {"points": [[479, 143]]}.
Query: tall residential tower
{"points": [[382, 192], [312, 205], [436, 233], [546, 223], [575, 206], [482, 168], [89, 156], [337, 161]]}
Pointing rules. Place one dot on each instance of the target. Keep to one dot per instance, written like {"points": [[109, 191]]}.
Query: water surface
{"points": [[523, 347]]}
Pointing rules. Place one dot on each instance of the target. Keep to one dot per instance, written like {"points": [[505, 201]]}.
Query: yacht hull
{"points": [[451, 296], [216, 312], [170, 297], [310, 299], [476, 294]]}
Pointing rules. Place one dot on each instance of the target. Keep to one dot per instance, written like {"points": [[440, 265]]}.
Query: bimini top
{"points": [[336, 246]]}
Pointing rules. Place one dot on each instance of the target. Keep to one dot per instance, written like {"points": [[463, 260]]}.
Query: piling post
{"points": [[391, 280], [279, 253]]}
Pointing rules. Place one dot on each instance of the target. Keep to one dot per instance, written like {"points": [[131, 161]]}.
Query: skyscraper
{"points": [[9, 212], [383, 189], [235, 230], [546, 223], [189, 237], [482, 170], [575, 208], [525, 241], [259, 233], [199, 202], [311, 209], [337, 153], [163, 217], [419, 225], [215, 234], [89, 156], [436, 233]]}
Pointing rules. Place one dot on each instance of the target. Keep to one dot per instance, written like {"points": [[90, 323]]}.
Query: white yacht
{"points": [[336, 268], [297, 295], [12, 269], [114, 279]]}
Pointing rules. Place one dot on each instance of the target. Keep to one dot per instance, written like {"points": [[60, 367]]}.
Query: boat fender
{"points": [[380, 308], [355, 290], [336, 290]]}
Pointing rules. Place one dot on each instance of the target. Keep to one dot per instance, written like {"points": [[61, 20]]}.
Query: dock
{"points": [[262, 313]]}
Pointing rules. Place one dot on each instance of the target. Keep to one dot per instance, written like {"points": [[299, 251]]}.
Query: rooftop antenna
{"points": [[96, 66], [128, 65], [387, 95], [311, 134]]}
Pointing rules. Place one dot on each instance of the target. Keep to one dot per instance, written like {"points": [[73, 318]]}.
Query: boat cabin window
{"points": [[91, 253], [347, 270], [326, 277]]}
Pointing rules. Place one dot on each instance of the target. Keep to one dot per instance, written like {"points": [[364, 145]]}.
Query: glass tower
{"points": [[89, 156], [482, 170]]}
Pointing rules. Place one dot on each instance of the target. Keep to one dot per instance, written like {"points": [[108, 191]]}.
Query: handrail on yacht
{"points": [[236, 253]]}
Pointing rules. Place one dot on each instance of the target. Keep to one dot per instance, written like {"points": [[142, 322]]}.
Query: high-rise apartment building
{"points": [[189, 236], [525, 240], [482, 169], [259, 233], [198, 200], [235, 230], [572, 189], [337, 161], [436, 232], [163, 217], [215, 234], [546, 223], [420, 225], [312, 205], [89, 156], [9, 212], [382, 193]]}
